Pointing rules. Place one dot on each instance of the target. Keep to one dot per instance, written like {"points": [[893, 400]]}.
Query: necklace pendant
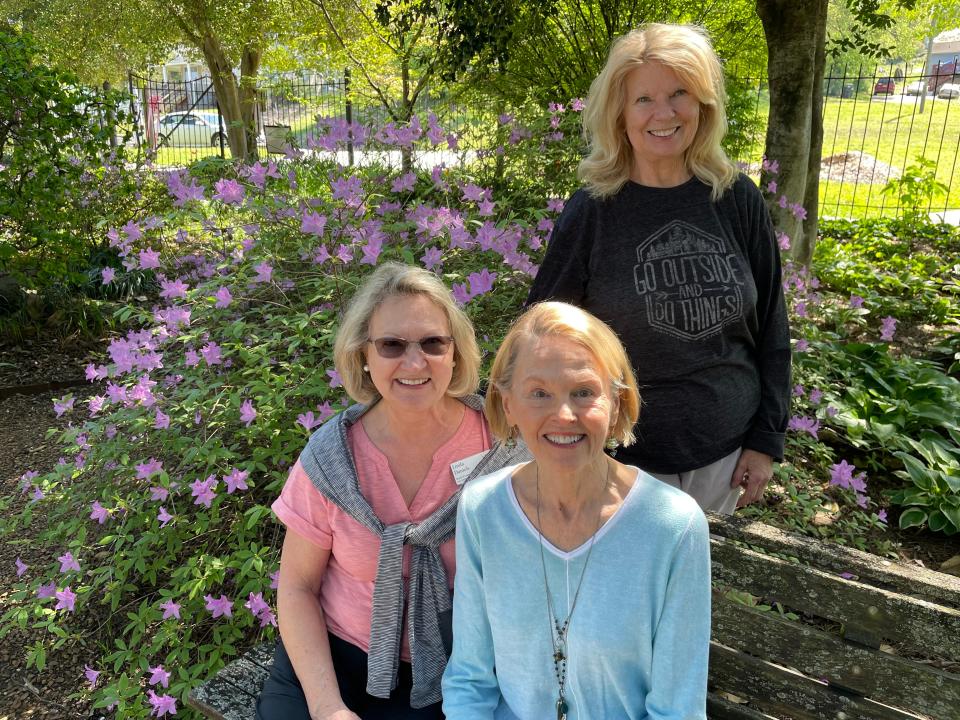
{"points": [[561, 708]]}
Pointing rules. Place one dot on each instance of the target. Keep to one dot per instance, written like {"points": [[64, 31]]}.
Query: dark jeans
{"points": [[282, 697]]}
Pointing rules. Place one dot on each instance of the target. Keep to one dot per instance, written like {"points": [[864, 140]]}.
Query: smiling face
{"points": [[415, 380], [560, 400], [661, 117]]}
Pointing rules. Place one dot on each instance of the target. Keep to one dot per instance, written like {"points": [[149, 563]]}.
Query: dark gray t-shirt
{"points": [[693, 289]]}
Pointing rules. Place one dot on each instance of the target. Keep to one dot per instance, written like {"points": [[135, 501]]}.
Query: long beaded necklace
{"points": [[558, 630]]}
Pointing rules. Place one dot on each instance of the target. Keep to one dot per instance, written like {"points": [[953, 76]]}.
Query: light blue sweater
{"points": [[639, 639]]}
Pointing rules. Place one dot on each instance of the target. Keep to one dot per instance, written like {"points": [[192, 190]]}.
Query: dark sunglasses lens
{"points": [[434, 345], [390, 348]]}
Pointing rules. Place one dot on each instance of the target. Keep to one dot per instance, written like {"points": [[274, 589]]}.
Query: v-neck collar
{"points": [[585, 545]]}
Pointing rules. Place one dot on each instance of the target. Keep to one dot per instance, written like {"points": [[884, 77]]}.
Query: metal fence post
{"points": [[346, 94]]}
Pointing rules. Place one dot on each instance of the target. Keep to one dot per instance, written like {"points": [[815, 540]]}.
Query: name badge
{"points": [[461, 469]]}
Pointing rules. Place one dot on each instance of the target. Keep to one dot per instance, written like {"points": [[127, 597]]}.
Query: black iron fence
{"points": [[877, 123]]}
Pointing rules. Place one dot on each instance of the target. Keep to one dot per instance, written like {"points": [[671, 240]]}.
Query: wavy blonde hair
{"points": [[685, 49], [558, 319]]}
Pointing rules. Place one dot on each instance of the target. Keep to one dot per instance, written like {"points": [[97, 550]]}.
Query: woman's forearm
{"points": [[304, 632]]}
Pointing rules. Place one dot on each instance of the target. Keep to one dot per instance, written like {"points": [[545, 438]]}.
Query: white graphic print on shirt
{"points": [[689, 281]]}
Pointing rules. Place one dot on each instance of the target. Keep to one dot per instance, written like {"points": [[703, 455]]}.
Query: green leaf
{"points": [[912, 517]]}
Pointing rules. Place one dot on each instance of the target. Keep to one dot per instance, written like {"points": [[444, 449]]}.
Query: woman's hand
{"points": [[753, 472], [340, 713]]}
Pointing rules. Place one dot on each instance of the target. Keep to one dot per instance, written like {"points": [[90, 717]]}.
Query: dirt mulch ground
{"points": [[857, 167], [24, 421]]}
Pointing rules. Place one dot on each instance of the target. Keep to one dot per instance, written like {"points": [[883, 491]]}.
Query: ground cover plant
{"points": [[158, 513]]}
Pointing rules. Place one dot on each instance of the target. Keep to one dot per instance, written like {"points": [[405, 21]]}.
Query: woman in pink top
{"points": [[367, 565]]}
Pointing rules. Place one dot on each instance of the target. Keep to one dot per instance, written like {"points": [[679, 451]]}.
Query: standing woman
{"points": [[368, 557], [675, 250], [583, 585]]}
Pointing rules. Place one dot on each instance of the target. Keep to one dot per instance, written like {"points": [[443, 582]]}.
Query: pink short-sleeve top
{"points": [[346, 593]]}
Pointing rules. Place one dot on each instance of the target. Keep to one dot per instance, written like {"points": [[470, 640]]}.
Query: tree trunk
{"points": [[237, 100], [795, 31], [406, 111]]}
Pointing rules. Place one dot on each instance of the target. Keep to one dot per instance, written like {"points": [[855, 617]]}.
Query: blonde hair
{"points": [[558, 319], [390, 280], [685, 49]]}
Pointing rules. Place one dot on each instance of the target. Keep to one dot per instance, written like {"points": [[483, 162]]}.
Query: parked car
{"points": [[916, 88], [885, 86], [949, 91], [943, 73], [196, 128]]}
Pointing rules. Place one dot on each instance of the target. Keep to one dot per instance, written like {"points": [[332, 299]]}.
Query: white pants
{"points": [[709, 485]]}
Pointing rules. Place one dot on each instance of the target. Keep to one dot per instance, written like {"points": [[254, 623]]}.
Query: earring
{"points": [[366, 368], [511, 441], [612, 443]]}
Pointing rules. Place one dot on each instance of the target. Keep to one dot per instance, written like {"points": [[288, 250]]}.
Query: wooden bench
{"points": [[872, 639]]}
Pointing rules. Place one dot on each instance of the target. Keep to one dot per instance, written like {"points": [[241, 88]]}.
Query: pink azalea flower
{"points": [[148, 469], [577, 104], [555, 204], [783, 202], [247, 413], [308, 420], [67, 563], [171, 289], [856, 301], [66, 599], [335, 379], [264, 272], [63, 405], [149, 259], [344, 253], [882, 516], [228, 191], [235, 480], [313, 223], [211, 353], [218, 607], [91, 675], [159, 493], [256, 604], [802, 345], [481, 282], [96, 403], [841, 474], [99, 513], [888, 328], [275, 580], [407, 181], [191, 358], [432, 257], [170, 610], [808, 425], [161, 421], [47, 591], [460, 293], [132, 231], [107, 275], [325, 411], [161, 704], [224, 298], [21, 567], [815, 396], [159, 676], [204, 491], [772, 187]]}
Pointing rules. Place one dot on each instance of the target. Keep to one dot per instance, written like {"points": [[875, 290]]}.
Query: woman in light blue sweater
{"points": [[583, 585]]}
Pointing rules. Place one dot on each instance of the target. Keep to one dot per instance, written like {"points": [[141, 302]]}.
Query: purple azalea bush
{"points": [[158, 513]]}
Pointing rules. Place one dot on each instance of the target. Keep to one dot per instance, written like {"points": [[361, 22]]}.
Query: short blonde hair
{"points": [[685, 49], [558, 319], [390, 280]]}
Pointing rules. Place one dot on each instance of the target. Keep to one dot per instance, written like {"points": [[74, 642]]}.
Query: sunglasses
{"points": [[393, 347]]}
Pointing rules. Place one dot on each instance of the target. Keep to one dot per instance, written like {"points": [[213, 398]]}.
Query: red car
{"points": [[885, 86], [943, 73]]}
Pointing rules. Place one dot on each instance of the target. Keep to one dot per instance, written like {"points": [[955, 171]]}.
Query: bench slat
{"points": [[719, 708], [893, 680], [778, 690], [916, 624], [907, 579]]}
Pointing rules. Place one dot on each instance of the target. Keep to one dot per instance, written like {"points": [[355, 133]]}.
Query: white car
{"points": [[197, 128], [949, 91], [916, 88]]}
